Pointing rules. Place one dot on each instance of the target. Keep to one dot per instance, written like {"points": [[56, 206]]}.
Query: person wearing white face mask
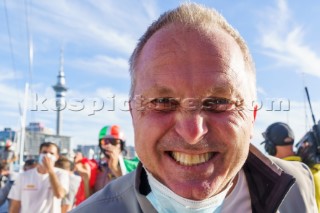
{"points": [[40, 189], [192, 90]]}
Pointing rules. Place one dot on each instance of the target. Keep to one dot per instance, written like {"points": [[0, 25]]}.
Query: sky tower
{"points": [[60, 89]]}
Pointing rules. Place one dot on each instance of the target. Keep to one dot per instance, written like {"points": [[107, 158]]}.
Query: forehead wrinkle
{"points": [[232, 77], [162, 58], [227, 88], [159, 90]]}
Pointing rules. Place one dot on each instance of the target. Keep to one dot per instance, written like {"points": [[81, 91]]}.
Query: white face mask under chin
{"points": [[166, 201]]}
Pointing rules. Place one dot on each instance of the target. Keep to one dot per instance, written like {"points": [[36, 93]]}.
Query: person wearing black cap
{"points": [[279, 141]]}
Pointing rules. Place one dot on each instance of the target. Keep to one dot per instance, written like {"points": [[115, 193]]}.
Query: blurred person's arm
{"points": [[113, 161], [15, 194], [5, 191], [84, 171], [15, 206], [14, 157], [65, 208], [56, 186], [66, 203]]}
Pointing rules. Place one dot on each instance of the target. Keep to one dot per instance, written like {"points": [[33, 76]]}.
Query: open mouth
{"points": [[191, 160]]}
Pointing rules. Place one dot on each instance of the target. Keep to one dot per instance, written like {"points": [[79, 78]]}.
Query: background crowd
{"points": [[56, 183]]}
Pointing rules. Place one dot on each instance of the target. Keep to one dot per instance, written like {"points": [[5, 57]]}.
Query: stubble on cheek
{"points": [[207, 190]]}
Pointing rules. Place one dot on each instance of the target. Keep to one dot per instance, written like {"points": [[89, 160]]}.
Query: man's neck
{"points": [[284, 153], [41, 169]]}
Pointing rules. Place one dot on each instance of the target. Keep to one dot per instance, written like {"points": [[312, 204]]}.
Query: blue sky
{"points": [[98, 37]]}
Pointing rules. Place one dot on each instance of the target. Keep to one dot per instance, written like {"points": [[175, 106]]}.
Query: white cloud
{"points": [[96, 23], [6, 74], [10, 96], [105, 65], [283, 40], [261, 91], [150, 8]]}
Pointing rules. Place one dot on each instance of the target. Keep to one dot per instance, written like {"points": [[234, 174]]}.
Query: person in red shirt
{"points": [[87, 169]]}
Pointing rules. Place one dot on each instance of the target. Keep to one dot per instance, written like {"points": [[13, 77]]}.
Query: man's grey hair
{"points": [[199, 18]]}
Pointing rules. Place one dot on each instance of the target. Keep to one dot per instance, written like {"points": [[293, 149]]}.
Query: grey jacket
{"points": [[271, 185]]}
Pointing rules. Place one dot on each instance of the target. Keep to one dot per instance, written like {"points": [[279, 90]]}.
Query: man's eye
{"points": [[218, 104], [164, 104]]}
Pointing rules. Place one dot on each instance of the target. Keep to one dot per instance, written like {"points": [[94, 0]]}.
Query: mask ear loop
{"points": [[255, 110]]}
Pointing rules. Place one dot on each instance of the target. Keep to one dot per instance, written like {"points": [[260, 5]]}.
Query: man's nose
{"points": [[191, 126]]}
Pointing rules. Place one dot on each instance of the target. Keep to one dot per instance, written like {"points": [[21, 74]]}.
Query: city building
{"points": [[89, 151], [60, 90], [7, 134], [37, 133], [131, 152]]}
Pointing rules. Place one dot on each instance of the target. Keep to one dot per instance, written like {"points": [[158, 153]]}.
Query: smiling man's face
{"points": [[192, 129]]}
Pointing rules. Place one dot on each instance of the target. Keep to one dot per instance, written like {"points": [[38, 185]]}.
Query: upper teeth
{"points": [[189, 160]]}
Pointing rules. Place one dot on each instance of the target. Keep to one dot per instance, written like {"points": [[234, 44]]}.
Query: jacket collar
{"points": [[268, 183]]}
